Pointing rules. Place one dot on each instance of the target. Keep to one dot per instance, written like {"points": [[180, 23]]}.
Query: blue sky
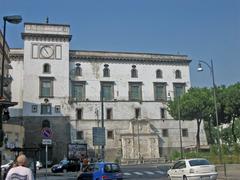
{"points": [[201, 29]]}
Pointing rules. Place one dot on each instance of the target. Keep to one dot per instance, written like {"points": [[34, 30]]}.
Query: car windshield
{"points": [[110, 168], [198, 162], [63, 162]]}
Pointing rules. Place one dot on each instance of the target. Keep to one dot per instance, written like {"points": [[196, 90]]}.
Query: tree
{"points": [[231, 103], [196, 104]]}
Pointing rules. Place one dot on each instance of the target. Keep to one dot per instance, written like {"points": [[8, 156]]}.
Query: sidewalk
{"points": [[232, 172]]}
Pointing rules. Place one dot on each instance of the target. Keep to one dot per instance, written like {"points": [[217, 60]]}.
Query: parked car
{"points": [[103, 170], [7, 165], [193, 169], [65, 166]]}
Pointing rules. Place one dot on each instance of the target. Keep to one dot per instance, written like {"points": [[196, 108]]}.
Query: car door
{"points": [[181, 170], [173, 173]]}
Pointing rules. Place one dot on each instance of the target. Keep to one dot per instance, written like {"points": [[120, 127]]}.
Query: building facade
{"points": [[72, 91]]}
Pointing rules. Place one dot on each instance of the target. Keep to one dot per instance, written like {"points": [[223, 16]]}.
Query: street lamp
{"points": [[215, 101], [3, 103]]}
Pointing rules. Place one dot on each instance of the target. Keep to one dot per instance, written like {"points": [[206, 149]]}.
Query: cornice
{"points": [[16, 54], [126, 56], [46, 37]]}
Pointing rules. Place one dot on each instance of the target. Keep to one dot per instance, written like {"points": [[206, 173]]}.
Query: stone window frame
{"points": [[162, 85], [178, 74], [159, 74], [110, 85], [79, 113], [109, 113], [46, 105], [49, 80], [137, 113], [110, 134], [106, 71], [165, 133], [46, 68], [177, 87], [185, 132], [163, 113], [79, 135], [81, 85], [139, 93], [78, 70], [134, 72]]}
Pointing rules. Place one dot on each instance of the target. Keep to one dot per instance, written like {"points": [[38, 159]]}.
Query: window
{"points": [[109, 113], [46, 68], [57, 109], [79, 113], [165, 132], [78, 70], [160, 91], [179, 89], [137, 113], [135, 91], [45, 123], [185, 132], [34, 108], [107, 91], [46, 109], [80, 135], [106, 71], [134, 73], [78, 91], [178, 74], [163, 115], [46, 86], [158, 73], [110, 134]]}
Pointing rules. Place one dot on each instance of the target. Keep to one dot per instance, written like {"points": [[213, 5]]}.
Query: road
{"points": [[136, 172]]}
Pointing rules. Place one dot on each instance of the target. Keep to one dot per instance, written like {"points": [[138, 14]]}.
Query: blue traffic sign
{"points": [[46, 133]]}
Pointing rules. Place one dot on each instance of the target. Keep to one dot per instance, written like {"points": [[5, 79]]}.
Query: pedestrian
{"points": [[20, 172]]}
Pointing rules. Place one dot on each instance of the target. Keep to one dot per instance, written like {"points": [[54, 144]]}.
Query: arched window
{"points": [[46, 68], [78, 70], [159, 73], [178, 74], [134, 73], [106, 71], [45, 123]]}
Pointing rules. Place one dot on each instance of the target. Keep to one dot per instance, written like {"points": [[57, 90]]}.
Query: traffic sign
{"points": [[99, 136], [46, 133], [46, 141]]}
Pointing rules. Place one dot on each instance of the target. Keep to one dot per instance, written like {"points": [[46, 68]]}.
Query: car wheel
{"points": [[184, 177], [168, 177]]}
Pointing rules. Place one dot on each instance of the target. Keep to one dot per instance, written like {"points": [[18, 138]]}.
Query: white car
{"points": [[7, 165], [193, 169], [38, 165]]}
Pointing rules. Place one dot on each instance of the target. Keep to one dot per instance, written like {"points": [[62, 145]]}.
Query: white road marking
{"points": [[149, 172], [127, 174], [138, 173]]}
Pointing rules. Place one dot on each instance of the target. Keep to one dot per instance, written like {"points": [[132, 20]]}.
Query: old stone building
{"points": [[61, 88]]}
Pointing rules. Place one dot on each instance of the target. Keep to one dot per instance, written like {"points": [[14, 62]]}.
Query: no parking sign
{"points": [[46, 133]]}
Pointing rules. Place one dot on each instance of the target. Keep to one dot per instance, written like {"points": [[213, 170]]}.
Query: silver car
{"points": [[193, 169]]}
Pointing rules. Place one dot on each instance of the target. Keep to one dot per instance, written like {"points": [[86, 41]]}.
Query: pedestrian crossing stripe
{"points": [[149, 172], [144, 172], [138, 173]]}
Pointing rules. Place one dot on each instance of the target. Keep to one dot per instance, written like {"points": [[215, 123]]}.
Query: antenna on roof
{"points": [[47, 19]]}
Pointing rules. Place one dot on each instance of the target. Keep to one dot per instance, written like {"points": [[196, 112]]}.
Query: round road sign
{"points": [[46, 133]]}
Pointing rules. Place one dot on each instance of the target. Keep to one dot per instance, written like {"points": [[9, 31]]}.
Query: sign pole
{"points": [[46, 159]]}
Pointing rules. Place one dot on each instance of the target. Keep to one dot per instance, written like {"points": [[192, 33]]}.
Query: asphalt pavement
{"points": [[143, 172]]}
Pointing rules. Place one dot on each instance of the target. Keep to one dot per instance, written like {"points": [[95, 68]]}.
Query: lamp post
{"points": [[13, 20], [215, 102]]}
